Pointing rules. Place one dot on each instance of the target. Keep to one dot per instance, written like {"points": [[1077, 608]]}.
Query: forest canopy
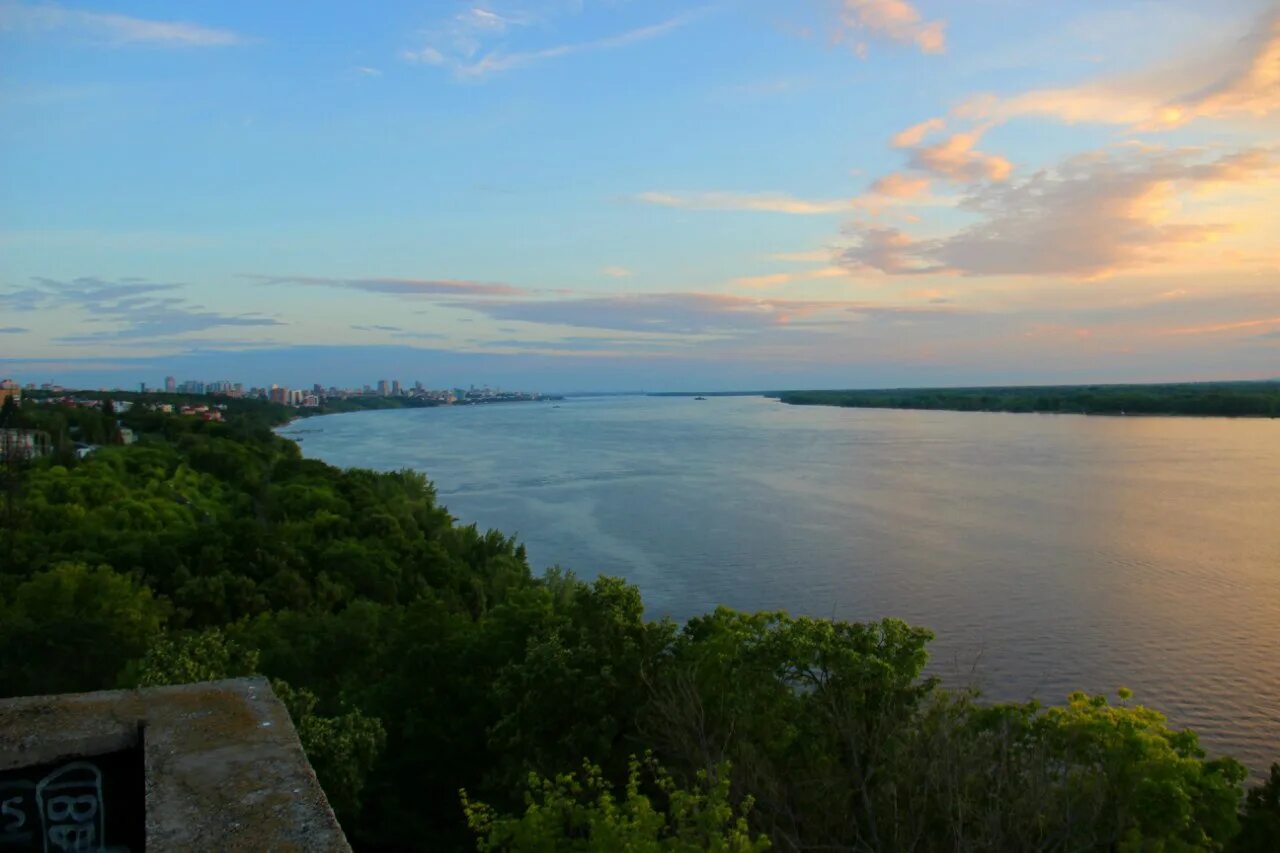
{"points": [[449, 697]]}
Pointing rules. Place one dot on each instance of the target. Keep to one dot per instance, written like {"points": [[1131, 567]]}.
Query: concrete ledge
{"points": [[222, 764]]}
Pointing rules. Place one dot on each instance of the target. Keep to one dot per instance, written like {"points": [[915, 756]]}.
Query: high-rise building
{"points": [[170, 384], [278, 394], [142, 387], [382, 387], [395, 387]]}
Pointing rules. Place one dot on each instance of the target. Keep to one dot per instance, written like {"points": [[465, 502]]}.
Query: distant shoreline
{"points": [[1198, 399]]}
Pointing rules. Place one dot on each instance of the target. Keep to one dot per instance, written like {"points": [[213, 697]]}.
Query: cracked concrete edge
{"points": [[224, 767]]}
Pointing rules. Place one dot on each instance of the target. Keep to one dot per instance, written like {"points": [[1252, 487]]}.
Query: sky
{"points": [[567, 195]]}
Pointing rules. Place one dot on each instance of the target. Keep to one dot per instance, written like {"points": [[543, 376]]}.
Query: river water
{"points": [[1048, 553]]}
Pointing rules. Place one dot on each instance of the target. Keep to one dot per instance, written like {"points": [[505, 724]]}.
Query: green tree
{"points": [[342, 749], [192, 657], [1260, 820], [74, 628], [581, 812]]}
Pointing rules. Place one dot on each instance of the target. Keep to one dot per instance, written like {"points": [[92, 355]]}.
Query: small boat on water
{"points": [[699, 398]]}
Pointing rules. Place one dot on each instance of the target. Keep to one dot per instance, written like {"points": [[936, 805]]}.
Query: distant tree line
{"points": [[1233, 399], [450, 698]]}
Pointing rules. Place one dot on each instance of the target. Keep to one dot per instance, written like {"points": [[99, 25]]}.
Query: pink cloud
{"points": [[899, 185], [1095, 214], [1243, 82], [956, 159], [754, 202], [896, 20], [915, 134]]}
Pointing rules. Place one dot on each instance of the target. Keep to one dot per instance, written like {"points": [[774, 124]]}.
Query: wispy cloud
{"points": [[809, 256], [1215, 328], [12, 330], [405, 287], [757, 282], [112, 28], [1242, 81], [377, 328], [915, 134], [617, 272], [460, 47], [139, 310], [707, 314], [755, 202], [398, 332]]}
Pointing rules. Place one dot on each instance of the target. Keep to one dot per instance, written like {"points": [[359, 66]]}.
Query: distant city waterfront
{"points": [[1048, 552], [315, 396]]}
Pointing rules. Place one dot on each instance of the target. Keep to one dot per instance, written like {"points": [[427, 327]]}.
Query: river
{"points": [[1049, 553]]}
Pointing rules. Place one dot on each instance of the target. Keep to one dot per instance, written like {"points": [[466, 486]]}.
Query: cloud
{"points": [[1252, 88], [900, 186], [754, 202], [889, 250], [459, 45], [90, 293], [1095, 214], [398, 332], [915, 134], [775, 279], [885, 192], [617, 272], [405, 287], [139, 309], [714, 314], [810, 256], [112, 28], [896, 20], [1216, 328], [1241, 82], [179, 342], [770, 280], [682, 313], [956, 159], [12, 330]]}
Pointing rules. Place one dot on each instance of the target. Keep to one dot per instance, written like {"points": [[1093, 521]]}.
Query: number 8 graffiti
{"points": [[71, 810]]}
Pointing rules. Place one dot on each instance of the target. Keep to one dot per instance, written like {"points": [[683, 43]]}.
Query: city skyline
{"points": [[578, 195], [232, 388]]}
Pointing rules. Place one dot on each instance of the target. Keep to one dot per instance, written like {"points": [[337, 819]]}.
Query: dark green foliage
{"points": [[419, 657], [1259, 399], [72, 628], [342, 749], [1260, 823], [581, 812]]}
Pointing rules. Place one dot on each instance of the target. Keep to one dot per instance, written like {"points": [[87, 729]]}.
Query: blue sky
{"points": [[569, 194]]}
